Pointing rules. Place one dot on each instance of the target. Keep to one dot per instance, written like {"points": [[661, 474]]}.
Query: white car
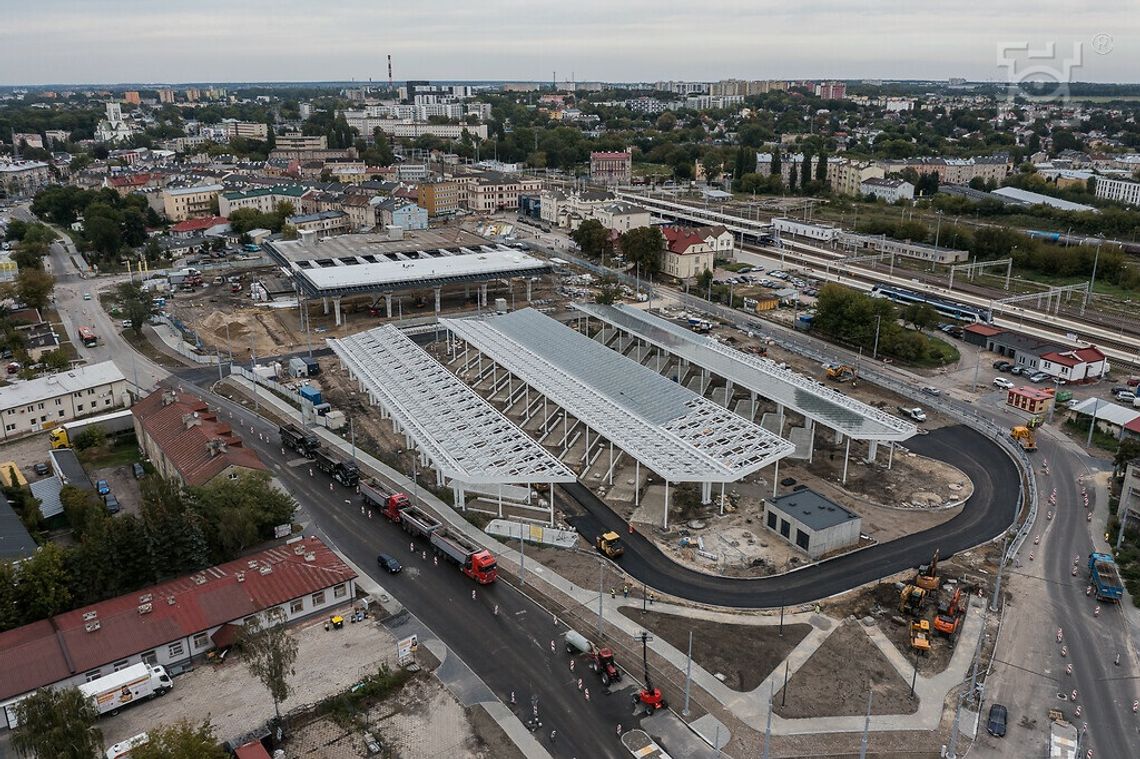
{"points": [[1003, 383]]}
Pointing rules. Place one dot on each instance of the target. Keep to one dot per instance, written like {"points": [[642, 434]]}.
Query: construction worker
{"points": [[613, 593], [553, 735], [625, 590]]}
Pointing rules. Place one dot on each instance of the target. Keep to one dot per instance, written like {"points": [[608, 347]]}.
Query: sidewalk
{"points": [[751, 707]]}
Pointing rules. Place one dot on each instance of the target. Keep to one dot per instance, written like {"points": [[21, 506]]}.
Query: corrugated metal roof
{"points": [[48, 651], [47, 491]]}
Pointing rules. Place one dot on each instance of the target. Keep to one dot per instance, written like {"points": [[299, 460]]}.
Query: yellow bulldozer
{"points": [[912, 599], [920, 636], [1026, 435], [840, 372]]}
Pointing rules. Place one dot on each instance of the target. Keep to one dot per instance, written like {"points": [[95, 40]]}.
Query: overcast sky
{"points": [[109, 41]]}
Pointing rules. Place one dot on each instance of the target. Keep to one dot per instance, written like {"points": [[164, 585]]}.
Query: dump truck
{"points": [[117, 423], [473, 560], [303, 442], [412, 519], [138, 682], [344, 472], [601, 659], [1105, 578], [379, 497], [609, 543]]}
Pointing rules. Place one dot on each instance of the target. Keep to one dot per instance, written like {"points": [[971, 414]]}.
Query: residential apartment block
{"points": [[889, 190], [323, 223], [262, 199], [1121, 190], [24, 178], [185, 440], [181, 203], [249, 130], [489, 193], [439, 198], [40, 404]]}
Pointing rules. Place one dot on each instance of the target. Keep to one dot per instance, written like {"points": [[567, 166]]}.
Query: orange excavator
{"points": [[950, 614], [927, 578]]}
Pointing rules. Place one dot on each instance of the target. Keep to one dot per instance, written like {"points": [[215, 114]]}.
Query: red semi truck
{"points": [[472, 559]]}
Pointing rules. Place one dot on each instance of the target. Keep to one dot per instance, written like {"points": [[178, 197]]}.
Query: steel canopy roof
{"points": [[784, 386], [670, 429], [466, 437]]}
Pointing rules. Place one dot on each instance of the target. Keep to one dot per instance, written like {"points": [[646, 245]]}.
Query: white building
{"points": [[1121, 190], [821, 232], [40, 404], [890, 190]]}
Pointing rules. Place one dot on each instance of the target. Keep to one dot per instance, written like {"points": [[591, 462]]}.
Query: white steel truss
{"points": [[760, 375], [466, 438], [688, 438]]}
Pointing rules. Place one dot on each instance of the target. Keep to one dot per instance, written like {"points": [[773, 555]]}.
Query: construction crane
{"points": [[927, 578], [648, 698]]}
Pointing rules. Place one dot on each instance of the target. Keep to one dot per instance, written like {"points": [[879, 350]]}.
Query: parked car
{"points": [[1003, 383], [996, 722], [1017, 371], [1126, 397], [42, 468], [1038, 377], [388, 564], [929, 390], [138, 471], [1072, 403], [1003, 366], [86, 296], [112, 503], [102, 487]]}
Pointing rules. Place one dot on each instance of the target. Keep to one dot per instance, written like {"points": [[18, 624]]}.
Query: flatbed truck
{"points": [[473, 560], [379, 497]]}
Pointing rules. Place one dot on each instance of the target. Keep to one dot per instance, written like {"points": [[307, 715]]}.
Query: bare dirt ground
{"points": [[741, 656], [421, 721], [25, 452], [834, 680]]}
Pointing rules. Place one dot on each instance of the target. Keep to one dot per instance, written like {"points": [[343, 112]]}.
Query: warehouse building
{"points": [[813, 523]]}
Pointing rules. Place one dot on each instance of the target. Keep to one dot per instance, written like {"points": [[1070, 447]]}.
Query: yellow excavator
{"points": [[840, 372], [1026, 435]]}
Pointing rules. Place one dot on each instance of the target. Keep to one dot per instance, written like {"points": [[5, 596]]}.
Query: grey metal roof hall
{"points": [[465, 437], [794, 391], [667, 427]]}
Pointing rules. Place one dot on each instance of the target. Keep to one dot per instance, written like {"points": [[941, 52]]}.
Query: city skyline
{"points": [[133, 41]]}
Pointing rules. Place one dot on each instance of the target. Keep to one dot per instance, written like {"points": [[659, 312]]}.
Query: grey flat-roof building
{"points": [[15, 542], [813, 523]]}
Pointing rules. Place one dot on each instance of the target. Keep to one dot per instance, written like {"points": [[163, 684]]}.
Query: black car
{"points": [[995, 723], [138, 471], [112, 503], [42, 468], [388, 564]]}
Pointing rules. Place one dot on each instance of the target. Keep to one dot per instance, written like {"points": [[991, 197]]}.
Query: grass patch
{"points": [[938, 353], [125, 450], [143, 346], [346, 708], [1077, 428], [735, 266]]}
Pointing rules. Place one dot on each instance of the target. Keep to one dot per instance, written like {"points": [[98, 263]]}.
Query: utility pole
{"points": [[601, 593], [875, 349], [866, 724], [688, 675], [768, 729]]}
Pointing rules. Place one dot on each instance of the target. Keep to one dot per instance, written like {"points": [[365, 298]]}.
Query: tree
{"points": [[609, 292], [43, 589], [666, 121], [58, 724], [180, 741], [775, 165], [792, 178], [34, 287], [237, 514], [704, 280], [269, 652], [135, 303], [643, 246], [921, 316], [1128, 450], [821, 169], [592, 238]]}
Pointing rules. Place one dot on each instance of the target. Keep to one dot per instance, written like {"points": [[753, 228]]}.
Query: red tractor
{"points": [[601, 659]]}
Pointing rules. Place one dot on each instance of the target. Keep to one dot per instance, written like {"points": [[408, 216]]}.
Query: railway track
{"points": [[1118, 340]]}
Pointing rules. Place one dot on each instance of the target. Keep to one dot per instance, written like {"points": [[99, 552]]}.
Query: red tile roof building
{"points": [[186, 441], [1077, 365], [689, 251], [192, 227], [172, 622]]}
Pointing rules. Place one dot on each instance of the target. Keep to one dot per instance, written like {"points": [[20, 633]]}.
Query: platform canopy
{"points": [[670, 429], [466, 438], [765, 377]]}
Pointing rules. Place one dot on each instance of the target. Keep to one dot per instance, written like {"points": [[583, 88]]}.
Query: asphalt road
{"points": [[1105, 689], [987, 513]]}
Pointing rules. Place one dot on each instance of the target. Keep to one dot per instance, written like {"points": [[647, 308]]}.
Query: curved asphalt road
{"points": [[988, 512]]}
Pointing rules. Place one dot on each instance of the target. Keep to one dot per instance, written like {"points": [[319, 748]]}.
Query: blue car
{"points": [[102, 487]]}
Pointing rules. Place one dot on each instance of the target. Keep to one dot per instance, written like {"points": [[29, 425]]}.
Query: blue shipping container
{"points": [[311, 394]]}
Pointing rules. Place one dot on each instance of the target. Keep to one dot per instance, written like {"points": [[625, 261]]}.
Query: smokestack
{"points": [[389, 71]]}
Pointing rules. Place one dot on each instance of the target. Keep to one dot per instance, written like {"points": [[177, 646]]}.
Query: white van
{"points": [[124, 748]]}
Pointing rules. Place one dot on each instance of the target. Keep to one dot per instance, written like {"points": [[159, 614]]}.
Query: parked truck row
{"points": [[309, 445], [473, 560]]}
